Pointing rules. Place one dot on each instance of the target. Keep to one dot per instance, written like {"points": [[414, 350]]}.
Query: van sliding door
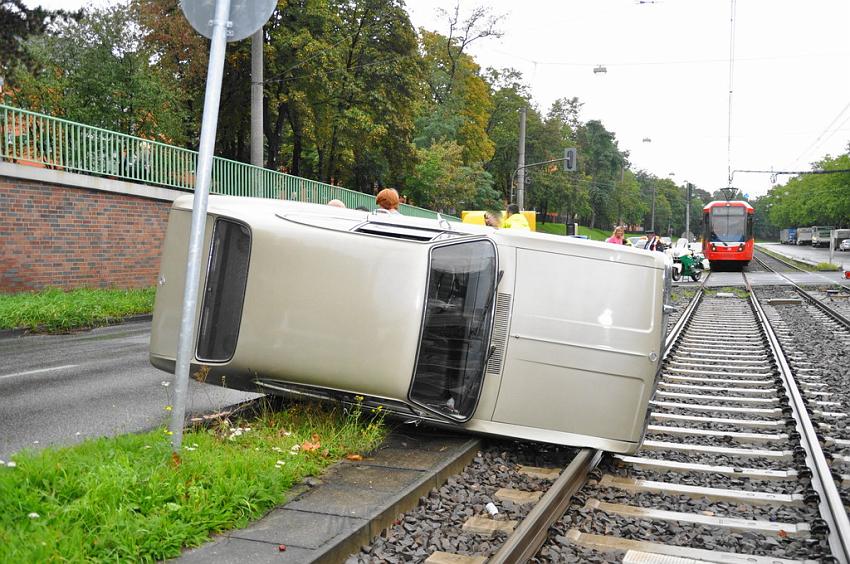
{"points": [[456, 328]]}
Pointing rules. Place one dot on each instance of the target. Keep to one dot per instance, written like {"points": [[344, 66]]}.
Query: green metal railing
{"points": [[36, 139]]}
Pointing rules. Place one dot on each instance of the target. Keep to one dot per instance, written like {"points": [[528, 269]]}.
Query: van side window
{"points": [[456, 329]]}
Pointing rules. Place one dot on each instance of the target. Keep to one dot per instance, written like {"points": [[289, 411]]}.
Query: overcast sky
{"points": [[667, 76]]}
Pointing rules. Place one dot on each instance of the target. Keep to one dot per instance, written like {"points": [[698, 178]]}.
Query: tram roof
{"points": [[724, 203]]}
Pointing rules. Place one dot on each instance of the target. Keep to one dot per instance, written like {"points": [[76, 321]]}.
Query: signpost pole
{"points": [[203, 175]]}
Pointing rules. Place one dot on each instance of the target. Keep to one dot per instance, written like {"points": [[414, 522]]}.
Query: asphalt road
{"points": [[809, 253], [63, 389]]}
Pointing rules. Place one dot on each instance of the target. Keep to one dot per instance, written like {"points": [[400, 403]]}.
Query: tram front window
{"points": [[729, 225], [455, 332]]}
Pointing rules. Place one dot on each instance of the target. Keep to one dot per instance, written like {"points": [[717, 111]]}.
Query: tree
{"points": [[442, 182], [98, 71], [508, 95], [604, 164], [458, 106], [17, 24]]}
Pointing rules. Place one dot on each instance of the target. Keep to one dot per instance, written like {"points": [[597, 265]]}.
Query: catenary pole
{"points": [[203, 177], [257, 98]]}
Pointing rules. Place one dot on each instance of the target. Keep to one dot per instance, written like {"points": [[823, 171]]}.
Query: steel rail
{"points": [[830, 503], [777, 259], [529, 536], [680, 324], [845, 322]]}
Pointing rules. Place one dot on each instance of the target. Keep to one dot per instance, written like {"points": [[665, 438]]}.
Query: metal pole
{"points": [[831, 245], [257, 109], [520, 189], [652, 223], [203, 176], [257, 98], [688, 211]]}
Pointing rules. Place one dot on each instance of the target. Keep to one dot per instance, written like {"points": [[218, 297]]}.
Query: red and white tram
{"points": [[728, 233]]}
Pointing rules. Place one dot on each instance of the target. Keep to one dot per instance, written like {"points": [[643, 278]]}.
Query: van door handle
{"points": [[669, 308]]}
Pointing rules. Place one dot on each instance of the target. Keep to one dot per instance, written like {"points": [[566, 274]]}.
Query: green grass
{"points": [[784, 258], [125, 499], [827, 267], [56, 311], [561, 229]]}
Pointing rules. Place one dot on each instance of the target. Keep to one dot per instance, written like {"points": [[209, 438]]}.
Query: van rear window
{"points": [[456, 329]]}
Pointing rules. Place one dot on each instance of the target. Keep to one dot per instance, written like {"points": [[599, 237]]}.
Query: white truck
{"points": [[804, 236]]}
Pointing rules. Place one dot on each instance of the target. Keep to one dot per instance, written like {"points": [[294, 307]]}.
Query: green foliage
{"points": [[440, 181], [353, 95], [813, 199], [126, 499], [97, 71], [827, 267], [57, 311], [17, 24]]}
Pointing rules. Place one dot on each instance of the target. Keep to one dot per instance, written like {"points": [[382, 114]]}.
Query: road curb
{"points": [[14, 333], [406, 500], [350, 505]]}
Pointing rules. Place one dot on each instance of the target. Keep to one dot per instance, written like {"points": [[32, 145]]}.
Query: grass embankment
{"points": [[56, 311], [126, 498], [561, 229]]}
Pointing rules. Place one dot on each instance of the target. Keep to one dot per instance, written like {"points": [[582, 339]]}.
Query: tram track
{"points": [[722, 474], [731, 469], [697, 427]]}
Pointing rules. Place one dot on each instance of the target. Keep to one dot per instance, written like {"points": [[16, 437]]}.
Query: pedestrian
{"points": [[653, 242], [387, 199], [336, 203], [618, 236], [493, 218], [515, 219]]}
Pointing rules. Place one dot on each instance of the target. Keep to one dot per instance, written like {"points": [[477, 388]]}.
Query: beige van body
{"points": [[501, 332]]}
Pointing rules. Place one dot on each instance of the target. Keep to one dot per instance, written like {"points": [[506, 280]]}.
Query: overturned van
{"points": [[499, 332]]}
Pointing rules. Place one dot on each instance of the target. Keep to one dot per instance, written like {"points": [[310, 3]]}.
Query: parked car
{"points": [[637, 242], [845, 245]]}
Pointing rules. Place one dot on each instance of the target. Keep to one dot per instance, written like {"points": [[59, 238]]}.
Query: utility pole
{"points": [[688, 188], [257, 98], [257, 105], [520, 178]]}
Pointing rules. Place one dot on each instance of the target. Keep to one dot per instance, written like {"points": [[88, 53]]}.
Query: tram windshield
{"points": [[455, 333], [728, 224]]}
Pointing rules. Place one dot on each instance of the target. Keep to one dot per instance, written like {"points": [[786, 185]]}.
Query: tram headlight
{"points": [[713, 247]]}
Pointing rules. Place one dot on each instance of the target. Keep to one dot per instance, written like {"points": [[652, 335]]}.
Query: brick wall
{"points": [[71, 237]]}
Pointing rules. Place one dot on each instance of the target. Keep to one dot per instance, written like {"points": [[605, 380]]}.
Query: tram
{"points": [[493, 331], [728, 233]]}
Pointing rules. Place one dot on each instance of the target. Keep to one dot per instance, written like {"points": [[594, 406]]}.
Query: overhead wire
{"points": [[822, 133], [731, 77]]}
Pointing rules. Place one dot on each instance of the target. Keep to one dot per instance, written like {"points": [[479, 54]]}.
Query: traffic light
{"points": [[570, 164]]}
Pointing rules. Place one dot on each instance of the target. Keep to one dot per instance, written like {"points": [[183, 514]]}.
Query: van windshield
{"points": [[456, 329], [728, 224]]}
